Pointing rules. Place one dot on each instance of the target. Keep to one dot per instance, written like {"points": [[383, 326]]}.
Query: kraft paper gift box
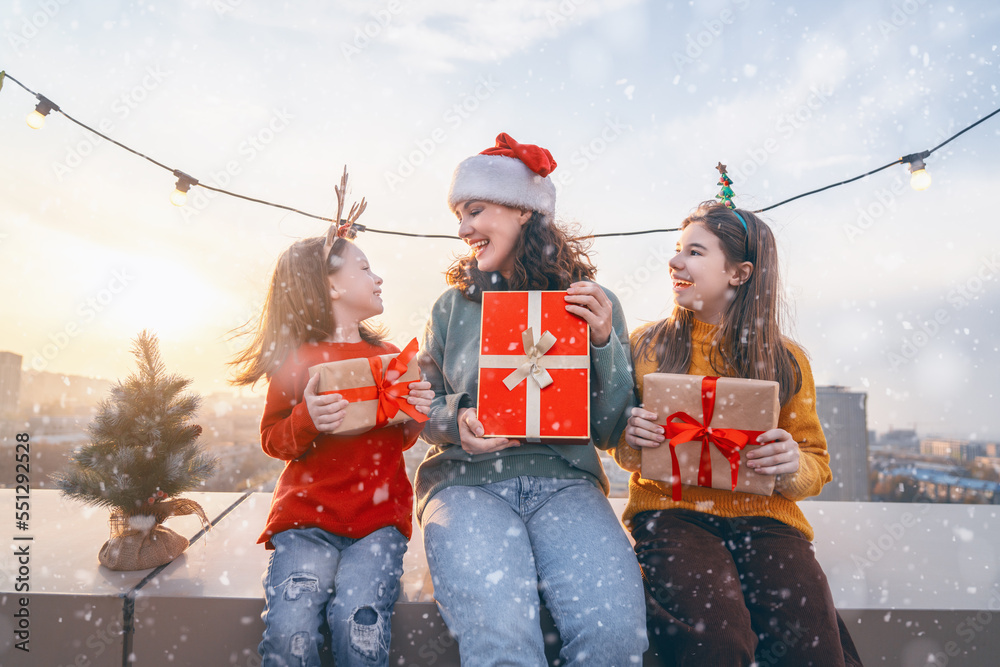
{"points": [[534, 369], [375, 402], [738, 410]]}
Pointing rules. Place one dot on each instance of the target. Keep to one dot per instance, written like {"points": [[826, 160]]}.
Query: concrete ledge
{"points": [[77, 608], [911, 580]]}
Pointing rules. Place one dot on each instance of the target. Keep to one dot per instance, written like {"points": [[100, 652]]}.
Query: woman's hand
{"points": [[326, 411], [588, 300], [779, 456], [642, 429], [471, 430], [420, 396]]}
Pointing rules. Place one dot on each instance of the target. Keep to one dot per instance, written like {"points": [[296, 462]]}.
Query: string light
{"points": [[919, 179], [36, 119], [184, 182]]}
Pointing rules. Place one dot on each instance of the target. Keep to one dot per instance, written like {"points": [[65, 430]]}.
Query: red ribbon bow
{"points": [[391, 395], [729, 441], [346, 231], [536, 158]]}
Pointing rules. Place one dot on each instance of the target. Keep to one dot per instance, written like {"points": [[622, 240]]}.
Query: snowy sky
{"points": [[892, 291]]}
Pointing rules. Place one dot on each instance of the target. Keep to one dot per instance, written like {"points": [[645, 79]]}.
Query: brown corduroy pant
{"points": [[730, 591]]}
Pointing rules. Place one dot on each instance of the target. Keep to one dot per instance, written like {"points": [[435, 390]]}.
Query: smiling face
{"points": [[702, 281], [355, 291], [491, 230]]}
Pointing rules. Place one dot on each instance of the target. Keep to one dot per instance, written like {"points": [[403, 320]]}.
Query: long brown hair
{"points": [[748, 342], [546, 257], [296, 311]]}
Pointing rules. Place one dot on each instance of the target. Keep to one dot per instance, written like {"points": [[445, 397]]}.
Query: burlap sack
{"points": [[141, 542]]}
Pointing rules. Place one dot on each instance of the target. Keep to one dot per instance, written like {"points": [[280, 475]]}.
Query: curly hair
{"points": [[546, 257]]}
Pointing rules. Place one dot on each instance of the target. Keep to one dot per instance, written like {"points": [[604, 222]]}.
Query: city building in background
{"points": [[10, 383], [898, 465], [899, 440], [843, 415], [960, 450], [56, 410]]}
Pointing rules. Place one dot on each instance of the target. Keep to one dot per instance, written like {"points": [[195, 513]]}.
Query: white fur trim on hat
{"points": [[502, 180]]}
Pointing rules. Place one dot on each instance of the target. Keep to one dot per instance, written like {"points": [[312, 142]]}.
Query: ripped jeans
{"points": [[317, 582]]}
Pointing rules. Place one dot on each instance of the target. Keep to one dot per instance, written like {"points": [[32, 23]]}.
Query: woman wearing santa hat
{"points": [[508, 522]]}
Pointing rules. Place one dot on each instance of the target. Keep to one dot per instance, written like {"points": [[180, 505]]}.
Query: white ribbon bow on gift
{"points": [[532, 366]]}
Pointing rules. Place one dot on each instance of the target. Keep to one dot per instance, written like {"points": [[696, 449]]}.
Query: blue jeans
{"points": [[493, 548], [317, 581]]}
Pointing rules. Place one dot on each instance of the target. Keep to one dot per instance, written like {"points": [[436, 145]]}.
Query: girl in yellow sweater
{"points": [[731, 577]]}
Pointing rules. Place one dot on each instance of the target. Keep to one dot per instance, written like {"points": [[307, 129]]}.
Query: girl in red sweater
{"points": [[341, 511]]}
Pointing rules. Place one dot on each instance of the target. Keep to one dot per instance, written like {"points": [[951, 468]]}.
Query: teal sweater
{"points": [[449, 359]]}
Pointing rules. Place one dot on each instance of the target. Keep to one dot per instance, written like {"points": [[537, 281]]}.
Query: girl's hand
{"points": [[471, 430], [642, 429], [588, 300], [421, 396], [326, 411], [779, 456]]}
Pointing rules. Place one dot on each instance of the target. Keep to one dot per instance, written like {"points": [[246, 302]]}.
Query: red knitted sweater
{"points": [[349, 485]]}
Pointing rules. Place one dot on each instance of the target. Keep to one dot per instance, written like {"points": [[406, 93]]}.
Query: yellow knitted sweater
{"points": [[798, 417]]}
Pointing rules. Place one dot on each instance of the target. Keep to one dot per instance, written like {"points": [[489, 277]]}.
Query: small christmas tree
{"points": [[143, 452], [726, 194]]}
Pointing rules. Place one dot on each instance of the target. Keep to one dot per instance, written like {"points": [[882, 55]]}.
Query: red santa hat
{"points": [[509, 173]]}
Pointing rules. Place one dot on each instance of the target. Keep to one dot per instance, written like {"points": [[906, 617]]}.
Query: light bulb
{"points": [[36, 120], [184, 182], [920, 179]]}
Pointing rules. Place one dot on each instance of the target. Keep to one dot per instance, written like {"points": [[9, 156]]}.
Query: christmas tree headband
{"points": [[343, 227], [726, 194]]}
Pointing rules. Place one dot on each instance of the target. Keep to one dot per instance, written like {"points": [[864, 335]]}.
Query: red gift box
{"points": [[711, 423], [534, 369], [374, 401]]}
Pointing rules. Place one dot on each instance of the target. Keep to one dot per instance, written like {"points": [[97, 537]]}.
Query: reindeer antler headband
{"points": [[342, 227]]}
